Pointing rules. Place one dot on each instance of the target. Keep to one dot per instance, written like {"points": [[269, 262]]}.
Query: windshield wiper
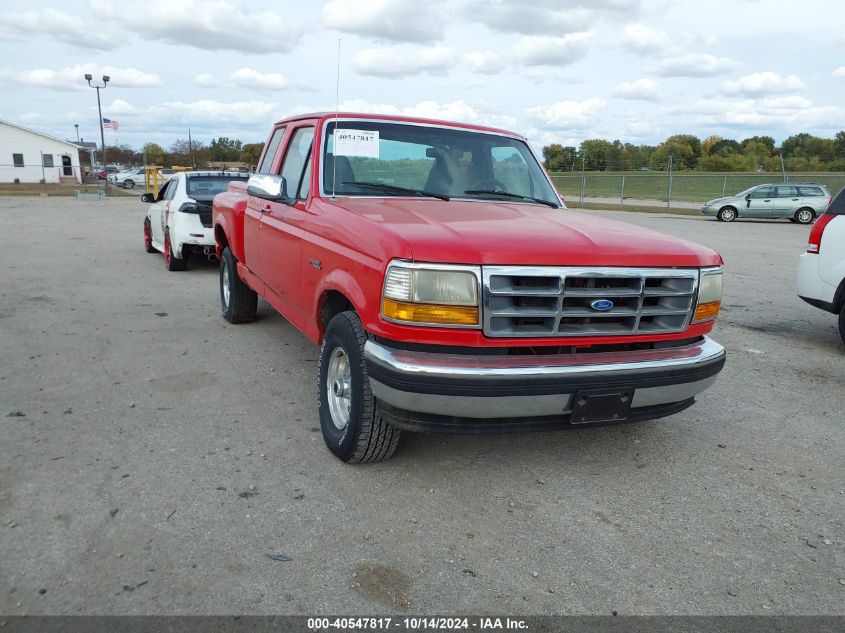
{"points": [[508, 194], [385, 187]]}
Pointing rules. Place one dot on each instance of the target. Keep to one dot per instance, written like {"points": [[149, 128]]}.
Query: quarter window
{"points": [[17, 159], [270, 153], [811, 192]]}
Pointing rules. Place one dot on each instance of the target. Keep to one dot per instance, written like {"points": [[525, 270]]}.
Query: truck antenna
{"points": [[336, 110]]}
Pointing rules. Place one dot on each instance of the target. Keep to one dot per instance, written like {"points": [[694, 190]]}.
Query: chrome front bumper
{"points": [[479, 387]]}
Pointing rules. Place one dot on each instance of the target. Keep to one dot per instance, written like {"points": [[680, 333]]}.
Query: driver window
{"points": [[171, 189], [165, 189], [762, 192]]}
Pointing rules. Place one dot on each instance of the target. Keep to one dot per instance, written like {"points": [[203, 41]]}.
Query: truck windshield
{"points": [[209, 186], [440, 161]]}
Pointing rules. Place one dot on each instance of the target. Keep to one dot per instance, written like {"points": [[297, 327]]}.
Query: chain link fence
{"points": [[639, 188]]}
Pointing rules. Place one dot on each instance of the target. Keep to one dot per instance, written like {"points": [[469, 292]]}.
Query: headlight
{"points": [[431, 294], [709, 295]]}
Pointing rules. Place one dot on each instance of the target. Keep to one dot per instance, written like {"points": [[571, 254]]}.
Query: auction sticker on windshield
{"points": [[356, 143]]}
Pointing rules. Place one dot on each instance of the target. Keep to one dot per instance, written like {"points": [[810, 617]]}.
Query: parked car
{"points": [[799, 202], [821, 270], [178, 222], [452, 291], [128, 178]]}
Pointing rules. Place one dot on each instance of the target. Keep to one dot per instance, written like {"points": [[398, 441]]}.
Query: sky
{"points": [[554, 71]]}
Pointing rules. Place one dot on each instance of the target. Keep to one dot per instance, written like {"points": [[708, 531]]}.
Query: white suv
{"points": [[821, 270], [178, 221]]}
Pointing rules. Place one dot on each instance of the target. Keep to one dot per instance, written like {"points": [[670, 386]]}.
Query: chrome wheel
{"points": [[727, 215], [226, 288], [339, 387], [805, 216]]}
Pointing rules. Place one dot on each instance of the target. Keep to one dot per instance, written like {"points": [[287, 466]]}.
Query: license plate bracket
{"points": [[601, 405]]}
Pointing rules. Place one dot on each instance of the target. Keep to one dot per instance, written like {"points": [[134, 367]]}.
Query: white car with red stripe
{"points": [[821, 270], [178, 221]]}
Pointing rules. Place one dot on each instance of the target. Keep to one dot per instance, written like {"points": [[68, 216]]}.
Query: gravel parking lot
{"points": [[161, 454]]}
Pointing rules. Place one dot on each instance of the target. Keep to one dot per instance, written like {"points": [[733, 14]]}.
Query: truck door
{"points": [[759, 203], [255, 207], [281, 230]]}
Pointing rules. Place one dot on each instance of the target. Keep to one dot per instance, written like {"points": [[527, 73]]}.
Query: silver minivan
{"points": [[797, 202]]}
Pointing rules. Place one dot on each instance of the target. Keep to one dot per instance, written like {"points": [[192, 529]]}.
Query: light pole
{"points": [[106, 79], [76, 125]]}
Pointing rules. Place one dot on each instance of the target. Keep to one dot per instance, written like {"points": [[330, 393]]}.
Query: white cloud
{"points": [[544, 74], [395, 20], [541, 50], [485, 62], [694, 65], [644, 89], [72, 77], [644, 40], [397, 61], [119, 107], [839, 72], [250, 79], [429, 109], [211, 112], [56, 25], [207, 24], [758, 84], [789, 113], [512, 17], [567, 115]]}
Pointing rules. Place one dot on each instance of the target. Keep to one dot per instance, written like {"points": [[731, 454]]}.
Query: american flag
{"points": [[110, 123]]}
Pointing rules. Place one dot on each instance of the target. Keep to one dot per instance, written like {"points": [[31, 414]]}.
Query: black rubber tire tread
{"points": [[148, 237], [842, 323], [243, 300], [812, 213], [172, 263], [371, 438], [721, 217]]}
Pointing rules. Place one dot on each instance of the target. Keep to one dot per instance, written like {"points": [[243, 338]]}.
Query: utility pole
{"points": [[669, 199], [583, 179], [76, 125], [191, 150], [783, 168]]}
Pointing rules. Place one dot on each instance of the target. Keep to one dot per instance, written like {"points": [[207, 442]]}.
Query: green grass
{"points": [[686, 186]]}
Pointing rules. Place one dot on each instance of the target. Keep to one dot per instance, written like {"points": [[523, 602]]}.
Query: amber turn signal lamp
{"points": [[429, 313], [707, 311]]}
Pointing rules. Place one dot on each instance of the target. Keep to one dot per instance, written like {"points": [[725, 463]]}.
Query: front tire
{"points": [[148, 237], [239, 302], [129, 184], [805, 216], [352, 425], [727, 214], [171, 262]]}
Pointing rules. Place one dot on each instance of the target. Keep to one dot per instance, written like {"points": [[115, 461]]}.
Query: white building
{"points": [[30, 156]]}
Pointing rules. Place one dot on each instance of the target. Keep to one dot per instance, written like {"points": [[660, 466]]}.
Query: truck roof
{"points": [[323, 116]]}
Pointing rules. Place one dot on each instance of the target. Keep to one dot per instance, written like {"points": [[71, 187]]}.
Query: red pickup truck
{"points": [[452, 291]]}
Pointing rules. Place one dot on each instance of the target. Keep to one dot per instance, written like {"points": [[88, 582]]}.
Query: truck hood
{"points": [[483, 232]]}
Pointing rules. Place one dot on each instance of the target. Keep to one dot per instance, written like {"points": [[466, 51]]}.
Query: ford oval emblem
{"points": [[602, 305]]}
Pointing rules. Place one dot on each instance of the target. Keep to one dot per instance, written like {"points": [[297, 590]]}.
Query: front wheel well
{"points": [[220, 239], [331, 304]]}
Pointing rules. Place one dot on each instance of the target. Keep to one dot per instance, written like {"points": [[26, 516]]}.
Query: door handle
{"points": [[267, 208], [795, 199]]}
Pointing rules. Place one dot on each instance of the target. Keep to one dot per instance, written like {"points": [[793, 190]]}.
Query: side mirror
{"points": [[148, 197], [268, 187]]}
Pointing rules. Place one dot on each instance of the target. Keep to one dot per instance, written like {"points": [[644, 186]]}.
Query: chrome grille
{"points": [[559, 301]]}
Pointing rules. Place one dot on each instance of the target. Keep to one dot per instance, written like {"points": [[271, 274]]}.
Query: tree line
{"points": [[800, 152], [184, 154]]}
